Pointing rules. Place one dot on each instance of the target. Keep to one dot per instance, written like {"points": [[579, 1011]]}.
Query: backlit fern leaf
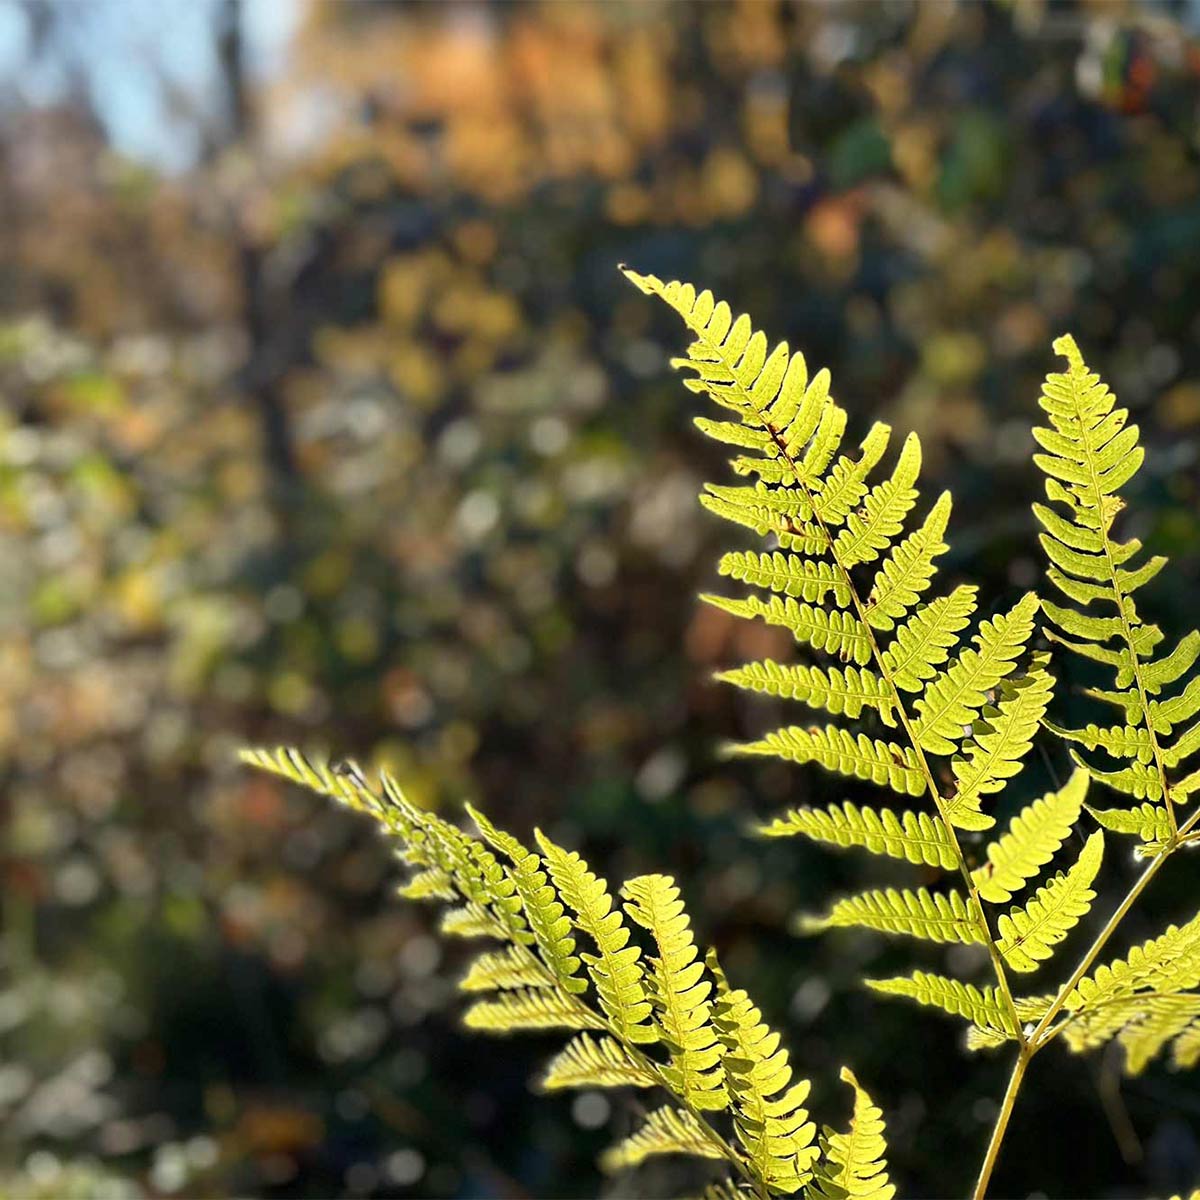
{"points": [[665, 1131], [527, 1010], [512, 967], [1090, 452], [679, 992], [1029, 934], [615, 968], [1031, 841], [916, 837], [936, 917], [852, 1165], [839, 750], [1000, 738], [839, 691], [597, 1062], [770, 1120], [982, 1007]]}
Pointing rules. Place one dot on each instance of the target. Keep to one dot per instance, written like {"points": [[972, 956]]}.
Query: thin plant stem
{"points": [[1024, 1054]]}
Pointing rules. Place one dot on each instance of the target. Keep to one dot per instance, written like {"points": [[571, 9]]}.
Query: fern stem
{"points": [[861, 612], [1024, 1054]]}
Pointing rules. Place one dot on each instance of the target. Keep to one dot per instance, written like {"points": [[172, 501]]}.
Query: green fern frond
{"points": [[936, 917], [984, 1007], [430, 884], [839, 750], [770, 1120], [956, 697], [840, 692], [1147, 822], [1090, 452], [1000, 738], [916, 837], [835, 633], [909, 570], [678, 992], [926, 639], [665, 1131], [504, 970], [1033, 838], [852, 1165], [786, 574], [529, 1010], [615, 968], [1029, 934], [597, 1062]]}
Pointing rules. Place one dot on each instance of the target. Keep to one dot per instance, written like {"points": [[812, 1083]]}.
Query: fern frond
{"points": [[868, 535], [770, 1120], [1033, 838], [835, 633], [665, 1131], [916, 837], [786, 574], [504, 970], [852, 1165], [597, 1062], [984, 1007], [1029, 934], [1000, 738], [956, 697], [847, 691], [678, 992], [1148, 822], [615, 968], [926, 639], [839, 750], [909, 570], [1090, 452], [937, 917], [528, 1010]]}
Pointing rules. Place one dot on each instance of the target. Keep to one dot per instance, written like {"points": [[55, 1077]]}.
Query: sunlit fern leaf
{"points": [[1091, 451], [770, 1120], [954, 699], [999, 740], [840, 751], [1167, 963], [504, 970], [786, 574], [915, 837], [1147, 822], [679, 992], [884, 508], [597, 1062], [665, 1131], [430, 884], [982, 1007], [835, 633], [927, 638], [1185, 1050], [852, 1164], [615, 968], [936, 917], [1033, 838], [1165, 1019], [529, 1010], [1029, 934], [546, 916], [909, 569], [838, 691], [472, 920]]}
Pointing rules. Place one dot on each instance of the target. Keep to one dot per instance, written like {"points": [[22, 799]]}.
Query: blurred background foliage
{"points": [[327, 419]]}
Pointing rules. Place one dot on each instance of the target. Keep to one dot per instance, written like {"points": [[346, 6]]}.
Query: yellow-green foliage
{"points": [[652, 1016], [921, 698], [1090, 453]]}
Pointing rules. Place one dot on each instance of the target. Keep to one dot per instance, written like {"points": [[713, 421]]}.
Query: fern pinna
{"points": [[662, 1018]]}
